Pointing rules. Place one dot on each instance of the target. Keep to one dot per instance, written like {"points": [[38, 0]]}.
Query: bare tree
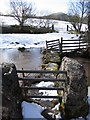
{"points": [[76, 12], [20, 11]]}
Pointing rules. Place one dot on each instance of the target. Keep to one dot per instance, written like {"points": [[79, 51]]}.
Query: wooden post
{"points": [[46, 46], [23, 73], [52, 27], [67, 27], [61, 44], [79, 43], [24, 91]]}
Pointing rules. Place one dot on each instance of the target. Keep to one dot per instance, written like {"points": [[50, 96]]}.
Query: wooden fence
{"points": [[72, 44], [46, 79], [66, 45]]}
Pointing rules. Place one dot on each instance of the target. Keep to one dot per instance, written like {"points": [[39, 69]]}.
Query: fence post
{"points": [[79, 43], [23, 73], [52, 26], [61, 43], [67, 27], [25, 91]]}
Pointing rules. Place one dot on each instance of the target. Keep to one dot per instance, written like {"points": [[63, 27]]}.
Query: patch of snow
{"points": [[47, 92], [31, 110], [45, 84], [6, 21], [58, 116], [56, 107], [89, 91], [88, 117]]}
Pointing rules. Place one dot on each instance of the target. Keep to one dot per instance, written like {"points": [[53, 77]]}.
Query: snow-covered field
{"points": [[36, 40], [30, 40]]}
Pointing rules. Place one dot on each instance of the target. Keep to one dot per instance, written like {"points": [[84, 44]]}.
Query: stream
{"points": [[28, 59], [32, 59]]}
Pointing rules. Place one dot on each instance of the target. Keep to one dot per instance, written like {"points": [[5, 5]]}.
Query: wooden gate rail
{"points": [[35, 96], [41, 88], [43, 79], [41, 71], [53, 45]]}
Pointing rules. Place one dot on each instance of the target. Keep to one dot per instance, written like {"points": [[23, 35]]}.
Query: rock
{"points": [[76, 95], [11, 108], [51, 66], [51, 56], [22, 49], [37, 43], [17, 42], [87, 36]]}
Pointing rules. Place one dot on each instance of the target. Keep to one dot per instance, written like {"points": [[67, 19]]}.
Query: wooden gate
{"points": [[45, 79]]}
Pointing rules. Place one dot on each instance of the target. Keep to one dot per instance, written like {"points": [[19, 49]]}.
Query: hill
{"points": [[58, 16], [62, 16]]}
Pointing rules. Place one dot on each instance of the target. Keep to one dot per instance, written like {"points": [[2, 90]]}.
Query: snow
{"points": [[89, 91], [30, 40], [7, 21], [31, 110], [36, 40], [47, 92], [45, 84]]}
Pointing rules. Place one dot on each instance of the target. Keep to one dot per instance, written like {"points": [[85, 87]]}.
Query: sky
{"points": [[42, 6]]}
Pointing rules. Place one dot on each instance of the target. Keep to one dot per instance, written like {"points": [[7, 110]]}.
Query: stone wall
{"points": [[76, 95], [10, 93]]}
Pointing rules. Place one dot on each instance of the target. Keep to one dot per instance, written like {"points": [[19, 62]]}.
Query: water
{"points": [[29, 59], [32, 59]]}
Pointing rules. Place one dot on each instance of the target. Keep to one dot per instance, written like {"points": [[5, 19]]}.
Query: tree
{"points": [[20, 11], [76, 14]]}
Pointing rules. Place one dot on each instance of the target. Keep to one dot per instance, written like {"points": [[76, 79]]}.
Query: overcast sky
{"points": [[42, 6]]}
